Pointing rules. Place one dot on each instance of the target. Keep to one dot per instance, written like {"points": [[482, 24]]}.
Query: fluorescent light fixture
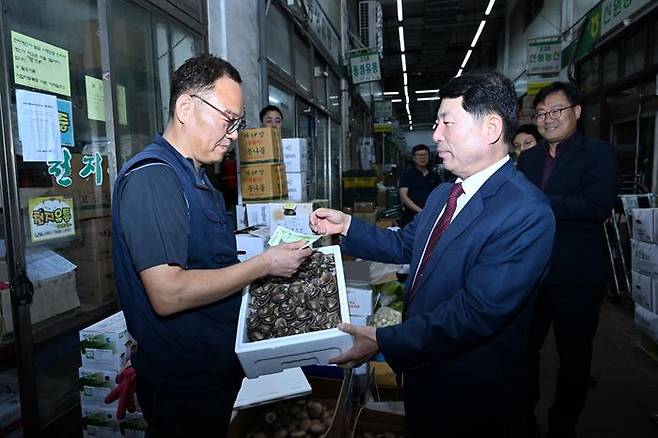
{"points": [[420, 99], [489, 7], [411, 128], [406, 92], [459, 73], [396, 100], [468, 55], [391, 93], [404, 62], [478, 33], [399, 10], [405, 79], [401, 34], [407, 107], [427, 91]]}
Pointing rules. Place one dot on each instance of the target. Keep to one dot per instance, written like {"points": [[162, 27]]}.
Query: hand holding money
{"points": [[285, 235]]}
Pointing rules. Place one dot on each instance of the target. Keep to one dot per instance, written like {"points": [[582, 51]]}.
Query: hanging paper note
{"points": [[38, 126], [121, 105], [65, 111], [40, 65], [51, 218], [95, 99]]}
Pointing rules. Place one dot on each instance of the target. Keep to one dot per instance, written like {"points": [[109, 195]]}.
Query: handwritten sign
{"points": [[95, 99], [40, 65]]}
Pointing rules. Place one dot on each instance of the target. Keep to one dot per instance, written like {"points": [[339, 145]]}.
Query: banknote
{"points": [[285, 235]]}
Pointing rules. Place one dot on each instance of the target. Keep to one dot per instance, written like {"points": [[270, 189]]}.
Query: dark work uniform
{"points": [[165, 212], [581, 183], [420, 186]]}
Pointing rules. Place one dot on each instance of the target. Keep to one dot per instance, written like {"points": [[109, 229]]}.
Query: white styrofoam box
{"points": [[95, 385], [106, 345], [292, 215], [359, 300], [641, 286], [647, 322], [101, 421], [297, 187], [644, 258], [270, 388], [360, 320], [241, 217], [249, 246], [295, 154], [258, 214], [316, 348], [645, 222]]}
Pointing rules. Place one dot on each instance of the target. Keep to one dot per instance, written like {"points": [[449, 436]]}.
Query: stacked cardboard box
{"points": [[105, 348], [262, 172], [295, 157], [644, 275]]}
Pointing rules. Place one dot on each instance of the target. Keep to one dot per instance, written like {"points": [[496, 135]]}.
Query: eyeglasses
{"points": [[555, 113], [422, 155], [234, 123]]}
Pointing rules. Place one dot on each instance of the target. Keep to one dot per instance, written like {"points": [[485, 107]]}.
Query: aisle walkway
{"points": [[627, 390]]}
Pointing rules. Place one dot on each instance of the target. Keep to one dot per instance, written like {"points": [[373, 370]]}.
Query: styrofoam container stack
{"points": [[274, 355], [644, 275]]}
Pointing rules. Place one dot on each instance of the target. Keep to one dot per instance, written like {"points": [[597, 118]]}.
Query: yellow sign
{"points": [[95, 99], [51, 218], [121, 105], [534, 87], [383, 127], [40, 65]]}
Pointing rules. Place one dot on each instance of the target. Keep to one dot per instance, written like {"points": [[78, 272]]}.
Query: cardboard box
{"points": [[644, 258], [101, 421], [95, 280], [249, 246], [95, 385], [295, 154], [274, 355], [647, 322], [378, 422], [106, 345], [645, 224], [359, 300], [326, 390], [364, 207], [260, 182], [93, 241], [52, 296], [292, 215], [357, 273], [260, 145], [642, 290], [297, 190]]}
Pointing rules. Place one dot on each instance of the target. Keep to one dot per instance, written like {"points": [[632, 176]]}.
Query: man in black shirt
{"points": [[416, 183]]}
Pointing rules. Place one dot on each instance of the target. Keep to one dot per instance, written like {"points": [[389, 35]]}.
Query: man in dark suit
{"points": [[579, 176], [477, 251]]}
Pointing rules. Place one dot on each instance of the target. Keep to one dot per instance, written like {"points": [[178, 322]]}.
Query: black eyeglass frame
{"points": [[540, 117], [234, 123]]}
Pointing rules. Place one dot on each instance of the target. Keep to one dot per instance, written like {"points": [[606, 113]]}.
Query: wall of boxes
{"points": [[644, 275]]}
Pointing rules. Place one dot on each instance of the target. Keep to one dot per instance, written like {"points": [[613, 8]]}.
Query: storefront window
{"points": [[285, 101], [334, 94], [302, 63], [320, 81], [589, 71], [278, 39], [654, 44], [610, 65], [634, 53]]}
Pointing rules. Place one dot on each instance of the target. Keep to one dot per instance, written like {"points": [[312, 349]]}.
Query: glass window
{"points": [[589, 71], [634, 52], [278, 39], [320, 80], [334, 94], [302, 63], [285, 101], [654, 44], [610, 65]]}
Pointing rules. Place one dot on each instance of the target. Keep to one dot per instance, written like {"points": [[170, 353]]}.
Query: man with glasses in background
{"points": [[416, 183], [579, 176], [175, 259]]}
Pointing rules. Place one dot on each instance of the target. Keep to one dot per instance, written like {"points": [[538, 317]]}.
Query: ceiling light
{"points": [[391, 93], [401, 34], [468, 55], [396, 100], [407, 107], [427, 91], [404, 62], [399, 10], [489, 7], [459, 73], [406, 92], [411, 128], [405, 79], [478, 33], [420, 99]]}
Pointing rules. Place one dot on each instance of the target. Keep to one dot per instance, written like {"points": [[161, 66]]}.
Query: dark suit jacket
{"points": [[463, 345], [582, 190]]}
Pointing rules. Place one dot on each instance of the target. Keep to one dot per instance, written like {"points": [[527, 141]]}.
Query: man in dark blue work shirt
{"points": [[176, 262], [416, 183]]}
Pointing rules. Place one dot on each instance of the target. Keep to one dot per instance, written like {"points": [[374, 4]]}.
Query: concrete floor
{"points": [[627, 390]]}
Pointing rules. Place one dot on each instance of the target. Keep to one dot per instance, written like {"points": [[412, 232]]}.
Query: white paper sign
{"points": [[38, 126]]}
